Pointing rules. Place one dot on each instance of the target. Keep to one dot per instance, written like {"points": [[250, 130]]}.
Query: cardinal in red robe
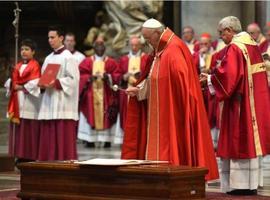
{"points": [[166, 118]]}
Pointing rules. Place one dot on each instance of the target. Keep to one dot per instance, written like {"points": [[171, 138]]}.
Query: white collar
{"points": [[134, 55], [59, 48], [99, 57]]}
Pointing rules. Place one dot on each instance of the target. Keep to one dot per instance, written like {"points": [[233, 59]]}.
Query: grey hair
{"points": [[159, 29], [231, 22]]}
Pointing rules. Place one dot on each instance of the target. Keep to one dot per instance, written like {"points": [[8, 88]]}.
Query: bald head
{"points": [[135, 44], [254, 30]]}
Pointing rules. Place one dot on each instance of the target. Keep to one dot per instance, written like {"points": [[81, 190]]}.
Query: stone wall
{"points": [[204, 16]]}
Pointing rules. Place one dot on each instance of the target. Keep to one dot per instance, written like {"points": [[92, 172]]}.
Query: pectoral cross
{"points": [[263, 67], [246, 53]]}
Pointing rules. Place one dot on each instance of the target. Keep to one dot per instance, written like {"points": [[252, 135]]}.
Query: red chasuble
{"points": [[31, 72], [86, 90], [171, 124], [264, 46], [211, 103], [240, 81], [123, 98]]}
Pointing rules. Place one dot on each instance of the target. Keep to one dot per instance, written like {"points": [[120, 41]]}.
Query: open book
{"points": [[118, 162]]}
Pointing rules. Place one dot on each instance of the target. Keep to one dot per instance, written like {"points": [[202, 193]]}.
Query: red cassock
{"points": [[211, 103], [86, 91], [196, 61], [264, 46], [240, 81], [173, 125], [123, 98]]}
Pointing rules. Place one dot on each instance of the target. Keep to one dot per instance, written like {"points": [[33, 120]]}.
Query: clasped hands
{"points": [[98, 75], [203, 79]]}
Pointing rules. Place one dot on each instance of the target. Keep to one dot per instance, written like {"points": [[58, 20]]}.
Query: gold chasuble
{"points": [[98, 94], [134, 64]]}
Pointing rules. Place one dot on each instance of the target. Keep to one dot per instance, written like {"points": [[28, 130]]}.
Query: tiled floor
{"points": [[11, 181]]}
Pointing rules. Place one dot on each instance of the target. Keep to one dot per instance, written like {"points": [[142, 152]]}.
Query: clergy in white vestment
{"points": [[70, 43], [59, 105]]}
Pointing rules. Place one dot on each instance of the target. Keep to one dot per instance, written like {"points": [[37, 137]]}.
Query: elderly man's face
{"points": [[205, 43], [135, 45], [151, 36], [254, 31], [226, 35]]}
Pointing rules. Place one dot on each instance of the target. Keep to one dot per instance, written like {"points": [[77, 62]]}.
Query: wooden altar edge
{"points": [[44, 180]]}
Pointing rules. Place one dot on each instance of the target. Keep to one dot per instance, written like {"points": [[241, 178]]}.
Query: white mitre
{"points": [[152, 23]]}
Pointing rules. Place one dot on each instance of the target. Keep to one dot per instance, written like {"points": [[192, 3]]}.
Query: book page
{"points": [[117, 162]]}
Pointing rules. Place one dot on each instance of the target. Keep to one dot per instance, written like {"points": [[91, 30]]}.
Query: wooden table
{"points": [[70, 181]]}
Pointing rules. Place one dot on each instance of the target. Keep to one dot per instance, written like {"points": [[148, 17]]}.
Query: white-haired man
{"points": [[131, 66], [166, 119], [255, 31], [239, 80]]}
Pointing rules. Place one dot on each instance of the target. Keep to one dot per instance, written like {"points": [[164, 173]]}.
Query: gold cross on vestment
{"points": [[133, 68], [263, 67], [245, 52], [253, 121]]}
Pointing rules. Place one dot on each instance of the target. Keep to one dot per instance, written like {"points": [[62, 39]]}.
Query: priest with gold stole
{"points": [[98, 102], [240, 80], [130, 66], [166, 119]]}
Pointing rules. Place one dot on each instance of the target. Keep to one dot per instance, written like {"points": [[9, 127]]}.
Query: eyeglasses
{"points": [[220, 32]]}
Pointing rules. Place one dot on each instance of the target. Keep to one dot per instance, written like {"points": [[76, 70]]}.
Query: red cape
{"points": [[183, 127], [30, 73], [231, 84]]}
